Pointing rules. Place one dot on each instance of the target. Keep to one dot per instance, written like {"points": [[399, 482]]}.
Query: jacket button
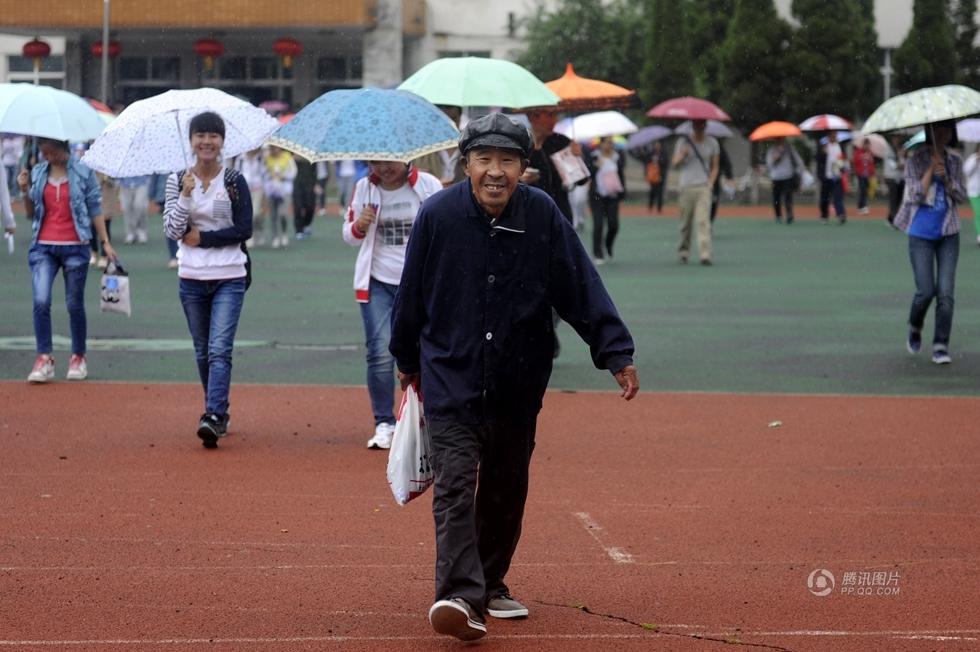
{"points": [[491, 278], [489, 336]]}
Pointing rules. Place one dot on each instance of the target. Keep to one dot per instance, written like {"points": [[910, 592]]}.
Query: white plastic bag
{"points": [[409, 472], [114, 296]]}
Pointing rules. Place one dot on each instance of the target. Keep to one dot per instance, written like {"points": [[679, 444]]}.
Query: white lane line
{"points": [[951, 635], [618, 555], [307, 639]]}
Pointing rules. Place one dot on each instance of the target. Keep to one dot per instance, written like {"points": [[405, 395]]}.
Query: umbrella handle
{"points": [[183, 145]]}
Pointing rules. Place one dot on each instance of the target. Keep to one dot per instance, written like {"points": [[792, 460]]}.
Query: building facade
{"points": [[235, 45]]}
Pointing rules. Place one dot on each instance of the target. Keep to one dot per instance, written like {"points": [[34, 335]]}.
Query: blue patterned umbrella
{"points": [[368, 124]]}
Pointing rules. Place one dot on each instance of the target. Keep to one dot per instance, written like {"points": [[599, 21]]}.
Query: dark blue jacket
{"points": [[473, 310]]}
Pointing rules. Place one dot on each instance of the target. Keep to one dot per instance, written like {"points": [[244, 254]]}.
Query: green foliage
{"points": [[752, 69], [667, 70], [601, 40], [927, 56], [831, 69], [967, 54], [707, 27]]}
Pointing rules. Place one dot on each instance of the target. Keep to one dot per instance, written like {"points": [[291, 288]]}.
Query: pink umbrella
{"points": [[879, 146], [688, 108], [825, 122]]}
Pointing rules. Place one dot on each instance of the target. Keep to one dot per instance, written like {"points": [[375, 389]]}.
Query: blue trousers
{"points": [[212, 309], [45, 261]]}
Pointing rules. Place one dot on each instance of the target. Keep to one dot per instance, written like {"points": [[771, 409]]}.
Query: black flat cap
{"points": [[495, 130]]}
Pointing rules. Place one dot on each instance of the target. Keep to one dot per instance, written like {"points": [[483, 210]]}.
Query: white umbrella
{"points": [[596, 125], [968, 131], [712, 128], [152, 136]]}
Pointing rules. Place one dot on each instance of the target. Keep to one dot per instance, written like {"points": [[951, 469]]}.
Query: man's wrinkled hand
{"points": [[628, 381], [409, 379]]}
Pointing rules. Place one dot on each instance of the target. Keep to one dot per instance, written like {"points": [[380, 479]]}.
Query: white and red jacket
{"points": [[366, 191]]}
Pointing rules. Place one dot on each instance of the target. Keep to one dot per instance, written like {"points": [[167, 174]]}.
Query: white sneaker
{"points": [[77, 369], [275, 242], [383, 434], [43, 369], [141, 237]]}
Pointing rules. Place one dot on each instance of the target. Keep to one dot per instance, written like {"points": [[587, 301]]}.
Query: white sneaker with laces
{"points": [[77, 369], [43, 369], [383, 434]]}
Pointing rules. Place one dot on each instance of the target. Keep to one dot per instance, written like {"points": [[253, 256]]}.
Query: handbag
{"points": [[114, 293], [409, 472]]}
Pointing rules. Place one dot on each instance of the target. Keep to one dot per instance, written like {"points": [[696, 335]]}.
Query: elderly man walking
{"points": [[487, 260]]}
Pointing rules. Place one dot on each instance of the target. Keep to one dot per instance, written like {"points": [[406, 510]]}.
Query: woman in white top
{"points": [[209, 211], [608, 190], [379, 220]]}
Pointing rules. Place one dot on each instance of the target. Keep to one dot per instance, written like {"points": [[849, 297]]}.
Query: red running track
{"points": [[675, 522]]}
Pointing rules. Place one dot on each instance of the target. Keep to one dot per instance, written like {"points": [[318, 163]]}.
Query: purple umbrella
{"points": [[647, 135]]}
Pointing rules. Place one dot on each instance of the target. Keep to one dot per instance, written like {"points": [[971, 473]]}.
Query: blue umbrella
{"points": [[368, 124], [647, 135], [47, 112]]}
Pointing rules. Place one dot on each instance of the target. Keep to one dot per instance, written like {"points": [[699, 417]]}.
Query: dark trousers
{"points": [[782, 195], [477, 530], [826, 190], [895, 191], [304, 206], [605, 213], [656, 196], [863, 191]]}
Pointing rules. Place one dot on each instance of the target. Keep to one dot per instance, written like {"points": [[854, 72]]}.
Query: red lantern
{"points": [[37, 50], [287, 48], [209, 48], [114, 49]]}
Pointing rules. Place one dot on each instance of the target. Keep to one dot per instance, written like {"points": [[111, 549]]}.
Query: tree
{"points": [[707, 28], [927, 56], [826, 74], [599, 39], [752, 64], [667, 69], [967, 54], [868, 61]]}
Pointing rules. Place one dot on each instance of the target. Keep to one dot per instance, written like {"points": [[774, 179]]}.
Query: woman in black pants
{"points": [[608, 190]]}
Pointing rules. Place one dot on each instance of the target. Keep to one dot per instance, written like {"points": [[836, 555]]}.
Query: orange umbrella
{"points": [[584, 94], [775, 129]]}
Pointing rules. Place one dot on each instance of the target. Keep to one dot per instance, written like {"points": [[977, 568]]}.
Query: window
{"points": [[142, 77], [484, 54], [339, 71], [54, 63]]}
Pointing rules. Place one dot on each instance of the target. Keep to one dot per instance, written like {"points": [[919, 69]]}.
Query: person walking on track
{"points": [[487, 260]]}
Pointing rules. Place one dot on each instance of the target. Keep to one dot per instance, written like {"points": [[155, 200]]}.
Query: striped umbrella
{"points": [[826, 122]]}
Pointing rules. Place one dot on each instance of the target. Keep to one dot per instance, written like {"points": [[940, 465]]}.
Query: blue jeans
{"points": [[934, 268], [45, 260], [376, 315], [212, 309]]}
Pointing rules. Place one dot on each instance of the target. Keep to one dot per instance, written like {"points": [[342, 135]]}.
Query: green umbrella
{"points": [[922, 107], [478, 81]]}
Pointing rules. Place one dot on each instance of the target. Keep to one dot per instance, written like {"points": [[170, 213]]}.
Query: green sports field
{"points": [[805, 308]]}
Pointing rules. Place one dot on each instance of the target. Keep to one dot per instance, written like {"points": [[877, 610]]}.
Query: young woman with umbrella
{"points": [[64, 200]]}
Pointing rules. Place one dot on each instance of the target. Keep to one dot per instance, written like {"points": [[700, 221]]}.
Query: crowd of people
{"points": [[467, 260]]}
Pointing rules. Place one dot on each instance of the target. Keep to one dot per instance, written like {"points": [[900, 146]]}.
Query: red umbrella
{"points": [[688, 108]]}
